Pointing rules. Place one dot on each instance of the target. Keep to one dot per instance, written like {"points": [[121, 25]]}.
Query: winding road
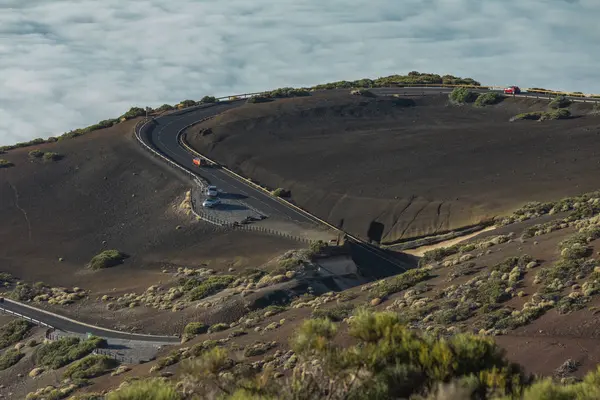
{"points": [[162, 137]]}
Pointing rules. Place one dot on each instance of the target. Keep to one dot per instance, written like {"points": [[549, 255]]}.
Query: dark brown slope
{"points": [[108, 193], [415, 171]]}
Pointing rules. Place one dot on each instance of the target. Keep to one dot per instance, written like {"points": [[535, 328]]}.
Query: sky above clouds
{"points": [[66, 64]]}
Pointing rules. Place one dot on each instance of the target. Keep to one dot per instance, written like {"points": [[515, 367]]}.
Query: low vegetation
{"points": [[150, 389], [90, 367], [412, 78], [389, 286], [107, 259], [9, 358], [210, 286], [5, 163], [208, 99], [462, 95], [280, 192], [36, 154], [194, 328], [543, 115], [559, 102], [335, 314], [66, 350], [13, 332], [488, 99], [50, 156], [259, 99]]}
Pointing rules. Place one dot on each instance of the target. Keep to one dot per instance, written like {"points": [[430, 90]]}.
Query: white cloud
{"points": [[67, 64]]}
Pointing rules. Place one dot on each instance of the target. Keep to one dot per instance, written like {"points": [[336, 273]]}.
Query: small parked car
{"points": [[512, 90], [211, 202], [212, 191]]}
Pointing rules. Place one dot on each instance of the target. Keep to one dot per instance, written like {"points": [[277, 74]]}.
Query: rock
{"points": [[19, 375], [376, 301], [19, 346]]}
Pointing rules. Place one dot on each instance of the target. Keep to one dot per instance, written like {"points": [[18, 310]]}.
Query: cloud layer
{"points": [[69, 63]]}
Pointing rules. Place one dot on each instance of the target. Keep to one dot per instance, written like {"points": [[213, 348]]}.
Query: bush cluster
{"points": [[107, 259], [194, 328], [9, 358], [543, 115], [13, 332], [385, 360], [400, 282], [487, 99], [90, 367], [335, 314], [259, 99], [66, 350], [412, 78], [210, 286], [559, 102], [280, 192], [462, 95], [5, 163]]}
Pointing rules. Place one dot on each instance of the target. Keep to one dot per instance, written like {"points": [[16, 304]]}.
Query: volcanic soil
{"points": [[390, 172], [107, 193]]}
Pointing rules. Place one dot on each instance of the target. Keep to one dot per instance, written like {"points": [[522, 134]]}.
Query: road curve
{"points": [[162, 136], [70, 325]]}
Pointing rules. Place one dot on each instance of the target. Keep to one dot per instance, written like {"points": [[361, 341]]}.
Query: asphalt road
{"points": [[69, 325], [162, 135]]}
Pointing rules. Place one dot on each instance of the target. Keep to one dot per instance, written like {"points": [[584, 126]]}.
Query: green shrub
{"points": [[133, 112], [259, 99], [210, 286], [462, 95], [165, 107], [279, 192], [173, 358], [187, 103], [49, 157], [316, 247], [194, 328], [335, 314], [489, 98], [412, 78], [107, 259], [5, 163], [556, 114], [287, 92], [218, 328], [13, 332], [90, 367], [559, 102], [399, 283], [532, 115], [36, 153], [151, 389], [209, 99], [66, 350], [257, 349], [9, 358]]}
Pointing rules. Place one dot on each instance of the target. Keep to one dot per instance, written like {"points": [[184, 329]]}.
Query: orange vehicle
{"points": [[199, 162]]}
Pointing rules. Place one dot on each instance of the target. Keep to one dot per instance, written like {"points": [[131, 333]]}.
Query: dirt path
{"points": [[419, 251]]}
